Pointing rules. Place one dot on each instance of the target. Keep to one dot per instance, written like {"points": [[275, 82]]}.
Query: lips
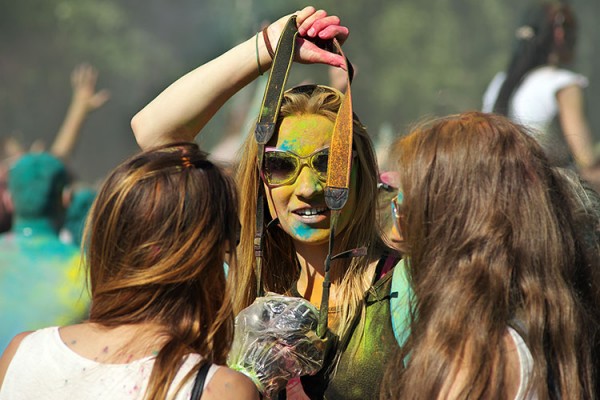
{"points": [[311, 215]]}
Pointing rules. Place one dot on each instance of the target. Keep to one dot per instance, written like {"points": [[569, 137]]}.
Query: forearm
{"points": [[575, 127], [581, 145], [186, 106], [69, 131]]}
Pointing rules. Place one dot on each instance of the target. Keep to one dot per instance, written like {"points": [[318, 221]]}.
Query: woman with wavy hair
{"points": [[156, 239], [297, 220], [505, 289]]}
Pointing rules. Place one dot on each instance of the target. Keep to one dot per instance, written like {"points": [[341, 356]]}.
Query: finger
{"points": [[304, 29], [322, 23], [76, 75], [100, 98], [302, 15], [91, 76], [311, 53], [338, 32], [85, 71]]}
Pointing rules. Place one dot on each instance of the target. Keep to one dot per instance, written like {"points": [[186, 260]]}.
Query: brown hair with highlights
{"points": [[156, 241], [492, 241]]}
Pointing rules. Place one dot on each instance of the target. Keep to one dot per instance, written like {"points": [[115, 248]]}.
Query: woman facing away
{"points": [[155, 241], [537, 88], [292, 180], [505, 284]]}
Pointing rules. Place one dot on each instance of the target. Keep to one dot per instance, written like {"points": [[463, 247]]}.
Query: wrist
{"points": [[263, 49], [78, 107]]}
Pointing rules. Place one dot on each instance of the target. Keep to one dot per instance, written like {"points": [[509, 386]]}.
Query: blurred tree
{"points": [[414, 58]]}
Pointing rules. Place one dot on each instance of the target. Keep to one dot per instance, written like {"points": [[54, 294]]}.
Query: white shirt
{"points": [[46, 368], [534, 102]]}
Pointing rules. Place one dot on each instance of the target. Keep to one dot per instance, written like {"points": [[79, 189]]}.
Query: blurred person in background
{"points": [[84, 99], [537, 89], [82, 198], [40, 279]]}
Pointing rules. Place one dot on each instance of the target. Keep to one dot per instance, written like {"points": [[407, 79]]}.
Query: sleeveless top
{"points": [[45, 368], [534, 104], [364, 351]]}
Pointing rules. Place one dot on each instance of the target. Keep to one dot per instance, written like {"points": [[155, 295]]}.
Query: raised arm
{"points": [[184, 108], [84, 100], [575, 127], [577, 134]]}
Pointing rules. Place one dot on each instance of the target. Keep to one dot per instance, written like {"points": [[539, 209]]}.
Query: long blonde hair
{"points": [[281, 268], [156, 239], [491, 239]]}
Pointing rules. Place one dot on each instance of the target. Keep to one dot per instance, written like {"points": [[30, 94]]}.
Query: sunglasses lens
{"points": [[278, 167], [319, 163]]}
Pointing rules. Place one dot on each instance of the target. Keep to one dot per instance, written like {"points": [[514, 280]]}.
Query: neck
{"points": [[312, 257], [312, 271]]}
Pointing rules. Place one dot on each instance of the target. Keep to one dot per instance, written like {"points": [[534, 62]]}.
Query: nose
{"points": [[308, 183]]}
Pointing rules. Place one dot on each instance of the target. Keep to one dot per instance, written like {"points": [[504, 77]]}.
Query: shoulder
{"points": [[229, 384], [400, 302], [10, 352], [456, 382], [559, 78]]}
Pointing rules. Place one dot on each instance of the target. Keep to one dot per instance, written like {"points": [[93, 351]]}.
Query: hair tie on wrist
{"points": [[268, 42], [260, 72]]}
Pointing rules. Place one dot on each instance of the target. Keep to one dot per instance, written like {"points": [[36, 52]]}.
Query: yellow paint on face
{"points": [[303, 135]]}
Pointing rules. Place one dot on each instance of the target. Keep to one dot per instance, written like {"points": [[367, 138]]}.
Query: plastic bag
{"points": [[275, 341]]}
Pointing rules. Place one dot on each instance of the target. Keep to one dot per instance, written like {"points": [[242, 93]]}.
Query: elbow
{"points": [[138, 127]]}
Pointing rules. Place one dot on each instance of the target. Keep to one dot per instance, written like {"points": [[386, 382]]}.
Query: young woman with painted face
{"points": [[505, 277], [293, 181]]}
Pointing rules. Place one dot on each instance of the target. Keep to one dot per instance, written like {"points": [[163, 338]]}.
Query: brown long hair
{"points": [[281, 268], [156, 240], [491, 239]]}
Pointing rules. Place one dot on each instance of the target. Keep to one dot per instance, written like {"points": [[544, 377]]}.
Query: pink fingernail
{"points": [[311, 32]]}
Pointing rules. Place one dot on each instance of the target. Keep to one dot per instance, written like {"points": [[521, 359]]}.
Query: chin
{"points": [[317, 237]]}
